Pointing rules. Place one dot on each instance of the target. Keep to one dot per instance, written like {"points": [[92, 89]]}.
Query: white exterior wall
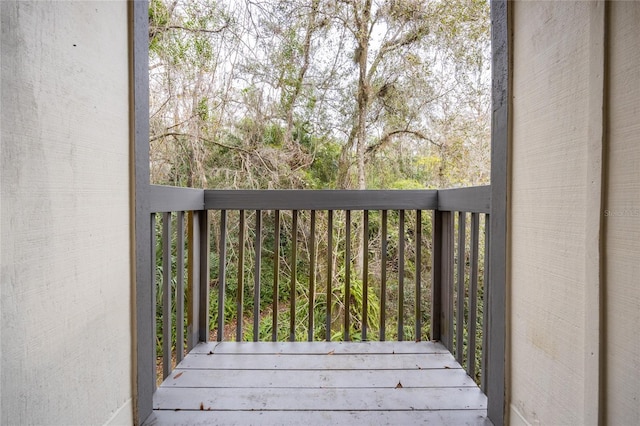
{"points": [[574, 280], [66, 354], [622, 222], [548, 200]]}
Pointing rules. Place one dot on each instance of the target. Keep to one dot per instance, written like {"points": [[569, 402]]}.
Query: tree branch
{"points": [[176, 134], [386, 138]]}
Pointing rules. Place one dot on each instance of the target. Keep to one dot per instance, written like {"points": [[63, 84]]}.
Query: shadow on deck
{"points": [[319, 383]]}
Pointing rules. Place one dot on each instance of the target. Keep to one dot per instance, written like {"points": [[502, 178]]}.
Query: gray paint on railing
{"points": [[474, 199], [418, 283], [257, 246], [329, 271], [365, 273], [222, 273], [496, 327], [276, 275], [294, 276], [203, 250], [144, 334], [436, 277], [166, 295], [383, 277], [193, 318], [401, 238], [320, 199], [485, 304], [179, 286], [473, 295], [312, 275], [347, 275], [462, 226], [171, 199], [242, 236]]}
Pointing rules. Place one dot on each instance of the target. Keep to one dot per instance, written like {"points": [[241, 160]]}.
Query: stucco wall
{"points": [[65, 213], [575, 213], [622, 218]]}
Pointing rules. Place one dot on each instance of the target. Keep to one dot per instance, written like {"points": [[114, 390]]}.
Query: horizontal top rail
{"points": [[303, 199], [473, 199], [164, 199]]}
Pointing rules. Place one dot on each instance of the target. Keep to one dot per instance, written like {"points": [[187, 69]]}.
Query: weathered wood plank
{"points": [[321, 348], [319, 399], [324, 379], [346, 418], [318, 362]]}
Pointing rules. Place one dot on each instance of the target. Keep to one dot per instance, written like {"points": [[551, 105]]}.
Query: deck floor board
{"points": [[319, 383]]}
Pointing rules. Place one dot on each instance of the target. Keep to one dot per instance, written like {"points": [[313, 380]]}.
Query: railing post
{"points": [[198, 272], [442, 278]]}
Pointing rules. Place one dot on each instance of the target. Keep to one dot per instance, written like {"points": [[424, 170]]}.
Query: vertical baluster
{"points": [[203, 282], [473, 297], [193, 269], [447, 277], [166, 295], [485, 305], [179, 286], [383, 276], [462, 223], [329, 271], [347, 275], [276, 274], [401, 237], [312, 275], [294, 275], [418, 266], [365, 272], [152, 273], [240, 294], [256, 276], [222, 273]]}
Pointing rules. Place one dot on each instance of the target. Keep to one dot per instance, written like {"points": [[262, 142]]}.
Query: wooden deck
{"points": [[333, 383]]}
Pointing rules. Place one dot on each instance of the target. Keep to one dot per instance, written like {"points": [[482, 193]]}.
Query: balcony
{"points": [[395, 283]]}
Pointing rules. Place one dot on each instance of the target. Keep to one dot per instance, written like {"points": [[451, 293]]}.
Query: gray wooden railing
{"points": [[430, 249]]}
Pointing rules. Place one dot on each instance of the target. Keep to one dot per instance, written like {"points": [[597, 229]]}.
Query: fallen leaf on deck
{"points": [[446, 366], [210, 353], [178, 375], [202, 406], [399, 385], [331, 353]]}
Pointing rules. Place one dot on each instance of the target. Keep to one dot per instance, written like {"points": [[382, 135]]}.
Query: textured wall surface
{"points": [[575, 213], [548, 200], [622, 218], [66, 305]]}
